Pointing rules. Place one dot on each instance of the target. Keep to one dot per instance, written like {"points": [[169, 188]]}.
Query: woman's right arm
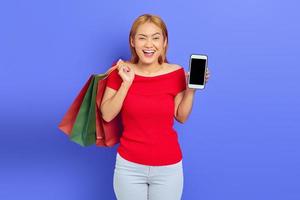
{"points": [[112, 101]]}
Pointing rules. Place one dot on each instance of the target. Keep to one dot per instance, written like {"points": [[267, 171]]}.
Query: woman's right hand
{"points": [[126, 72]]}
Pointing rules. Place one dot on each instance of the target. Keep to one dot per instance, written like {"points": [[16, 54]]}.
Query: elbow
{"points": [[104, 116], [180, 120], [108, 116], [106, 119]]}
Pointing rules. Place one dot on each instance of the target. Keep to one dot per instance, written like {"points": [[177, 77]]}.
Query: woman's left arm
{"points": [[184, 101]]}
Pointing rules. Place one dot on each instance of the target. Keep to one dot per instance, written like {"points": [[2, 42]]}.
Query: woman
{"points": [[149, 92]]}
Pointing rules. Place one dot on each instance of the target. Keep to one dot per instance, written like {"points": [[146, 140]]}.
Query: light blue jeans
{"points": [[133, 181]]}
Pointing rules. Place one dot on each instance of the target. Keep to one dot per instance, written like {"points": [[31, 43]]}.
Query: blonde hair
{"points": [[158, 22]]}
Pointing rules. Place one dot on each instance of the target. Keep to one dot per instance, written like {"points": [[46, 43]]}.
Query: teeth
{"points": [[147, 51]]}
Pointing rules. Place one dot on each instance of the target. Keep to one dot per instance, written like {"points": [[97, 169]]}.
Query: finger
{"points": [[126, 69], [121, 67], [119, 61]]}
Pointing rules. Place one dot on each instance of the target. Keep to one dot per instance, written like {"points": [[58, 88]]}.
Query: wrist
{"points": [[190, 90], [126, 85]]}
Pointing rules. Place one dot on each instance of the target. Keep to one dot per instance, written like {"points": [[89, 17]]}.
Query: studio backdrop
{"points": [[242, 139]]}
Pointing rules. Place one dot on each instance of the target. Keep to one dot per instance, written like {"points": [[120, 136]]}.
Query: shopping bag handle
{"points": [[114, 66]]}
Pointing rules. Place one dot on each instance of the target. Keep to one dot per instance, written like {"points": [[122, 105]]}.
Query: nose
{"points": [[148, 43]]}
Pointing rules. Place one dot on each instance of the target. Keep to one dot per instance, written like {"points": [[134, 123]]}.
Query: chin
{"points": [[148, 60]]}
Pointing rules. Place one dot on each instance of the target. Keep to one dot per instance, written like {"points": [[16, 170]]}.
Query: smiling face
{"points": [[148, 43]]}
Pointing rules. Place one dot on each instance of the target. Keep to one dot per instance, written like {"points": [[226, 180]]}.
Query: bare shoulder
{"points": [[172, 67]]}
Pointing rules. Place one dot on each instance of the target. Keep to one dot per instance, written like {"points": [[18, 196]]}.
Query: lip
{"points": [[148, 55]]}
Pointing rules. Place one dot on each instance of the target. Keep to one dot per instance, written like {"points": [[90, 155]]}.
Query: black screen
{"points": [[197, 71]]}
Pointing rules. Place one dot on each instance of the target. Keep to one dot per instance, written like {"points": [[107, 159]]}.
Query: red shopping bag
{"points": [[107, 133], [69, 119]]}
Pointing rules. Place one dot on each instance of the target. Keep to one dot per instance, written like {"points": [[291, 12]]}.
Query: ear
{"points": [[131, 42]]}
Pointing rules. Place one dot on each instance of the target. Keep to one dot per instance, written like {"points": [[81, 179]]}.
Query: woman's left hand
{"points": [[207, 75]]}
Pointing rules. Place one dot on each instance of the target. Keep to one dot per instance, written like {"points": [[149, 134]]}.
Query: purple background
{"points": [[241, 140]]}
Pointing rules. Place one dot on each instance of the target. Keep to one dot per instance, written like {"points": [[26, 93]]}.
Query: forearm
{"points": [[185, 106], [111, 107]]}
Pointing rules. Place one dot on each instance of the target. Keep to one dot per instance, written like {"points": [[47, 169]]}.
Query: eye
{"points": [[156, 38], [141, 38]]}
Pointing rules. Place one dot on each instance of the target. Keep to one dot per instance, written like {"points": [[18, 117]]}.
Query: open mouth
{"points": [[148, 53]]}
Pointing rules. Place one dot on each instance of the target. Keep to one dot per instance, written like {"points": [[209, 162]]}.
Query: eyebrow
{"points": [[152, 34]]}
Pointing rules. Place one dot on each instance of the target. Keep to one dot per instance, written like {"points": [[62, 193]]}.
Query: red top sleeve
{"points": [[114, 80], [181, 82]]}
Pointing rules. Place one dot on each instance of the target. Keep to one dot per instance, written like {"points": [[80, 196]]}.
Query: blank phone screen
{"points": [[197, 71]]}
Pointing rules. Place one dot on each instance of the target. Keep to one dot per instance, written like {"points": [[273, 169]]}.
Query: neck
{"points": [[149, 68]]}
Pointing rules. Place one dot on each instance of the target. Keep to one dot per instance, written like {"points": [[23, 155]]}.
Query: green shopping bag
{"points": [[84, 129], [83, 121]]}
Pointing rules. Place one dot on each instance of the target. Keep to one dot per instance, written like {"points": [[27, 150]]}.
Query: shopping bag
{"points": [[69, 118], [84, 128], [83, 121], [107, 133]]}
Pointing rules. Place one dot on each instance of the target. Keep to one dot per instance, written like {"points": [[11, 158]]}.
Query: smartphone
{"points": [[198, 66]]}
